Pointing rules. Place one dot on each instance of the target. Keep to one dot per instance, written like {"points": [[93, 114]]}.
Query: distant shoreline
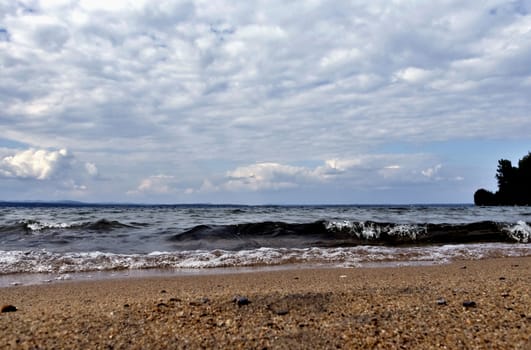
{"points": [[37, 203]]}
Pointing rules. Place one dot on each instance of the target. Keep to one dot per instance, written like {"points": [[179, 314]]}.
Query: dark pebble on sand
{"points": [[502, 278], [8, 308], [469, 304], [240, 301], [441, 301]]}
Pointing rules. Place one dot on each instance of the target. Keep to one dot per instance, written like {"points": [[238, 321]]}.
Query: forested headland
{"points": [[514, 184]]}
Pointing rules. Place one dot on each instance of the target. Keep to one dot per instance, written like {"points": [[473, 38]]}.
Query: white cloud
{"points": [[91, 168], [341, 56], [364, 171], [155, 184], [35, 164], [188, 87], [432, 172], [414, 74], [44, 174], [265, 176]]}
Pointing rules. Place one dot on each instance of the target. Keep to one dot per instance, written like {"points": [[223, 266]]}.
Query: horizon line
{"points": [[82, 203]]}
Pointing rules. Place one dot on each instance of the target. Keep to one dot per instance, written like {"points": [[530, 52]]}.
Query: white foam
{"points": [[37, 226], [521, 232], [373, 231], [42, 261]]}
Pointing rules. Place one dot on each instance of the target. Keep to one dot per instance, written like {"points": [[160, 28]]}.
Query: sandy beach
{"points": [[483, 304]]}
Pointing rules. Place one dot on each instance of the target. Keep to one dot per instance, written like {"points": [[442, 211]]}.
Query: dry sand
{"points": [[382, 308]]}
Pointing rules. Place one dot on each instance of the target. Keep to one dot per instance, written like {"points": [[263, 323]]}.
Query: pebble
{"points": [[281, 312], [469, 303], [441, 301], [240, 301], [8, 308]]}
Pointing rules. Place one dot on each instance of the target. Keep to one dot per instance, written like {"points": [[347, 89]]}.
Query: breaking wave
{"points": [[347, 234], [35, 226], [43, 261]]}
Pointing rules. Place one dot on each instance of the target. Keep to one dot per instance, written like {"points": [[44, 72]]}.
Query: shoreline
{"points": [[378, 307], [49, 278]]}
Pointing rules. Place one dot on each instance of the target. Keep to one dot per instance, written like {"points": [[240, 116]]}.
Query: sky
{"points": [[261, 102]]}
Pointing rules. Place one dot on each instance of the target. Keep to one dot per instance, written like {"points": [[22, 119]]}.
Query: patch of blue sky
{"points": [[4, 34], [7, 143], [465, 151]]}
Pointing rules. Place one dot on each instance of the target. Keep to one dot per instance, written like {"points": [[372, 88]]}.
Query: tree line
{"points": [[514, 184]]}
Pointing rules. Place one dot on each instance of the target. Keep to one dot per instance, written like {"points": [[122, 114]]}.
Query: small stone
{"points": [[502, 278], [240, 301], [163, 291], [469, 303], [282, 312], [463, 267], [8, 308], [441, 301]]}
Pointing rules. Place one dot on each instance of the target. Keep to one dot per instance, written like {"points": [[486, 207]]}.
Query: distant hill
{"points": [[43, 203], [514, 184]]}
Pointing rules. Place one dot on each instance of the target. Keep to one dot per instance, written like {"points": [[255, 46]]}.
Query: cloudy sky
{"points": [[261, 101]]}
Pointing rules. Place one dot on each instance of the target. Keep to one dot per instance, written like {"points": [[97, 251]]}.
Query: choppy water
{"points": [[71, 238]]}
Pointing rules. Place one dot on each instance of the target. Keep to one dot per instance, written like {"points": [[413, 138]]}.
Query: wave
{"points": [[347, 233], [35, 226], [42, 261]]}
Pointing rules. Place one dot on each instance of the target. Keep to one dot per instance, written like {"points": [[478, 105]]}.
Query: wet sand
{"points": [[382, 308]]}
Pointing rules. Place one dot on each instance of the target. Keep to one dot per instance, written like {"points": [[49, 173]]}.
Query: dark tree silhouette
{"points": [[514, 184], [484, 197]]}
